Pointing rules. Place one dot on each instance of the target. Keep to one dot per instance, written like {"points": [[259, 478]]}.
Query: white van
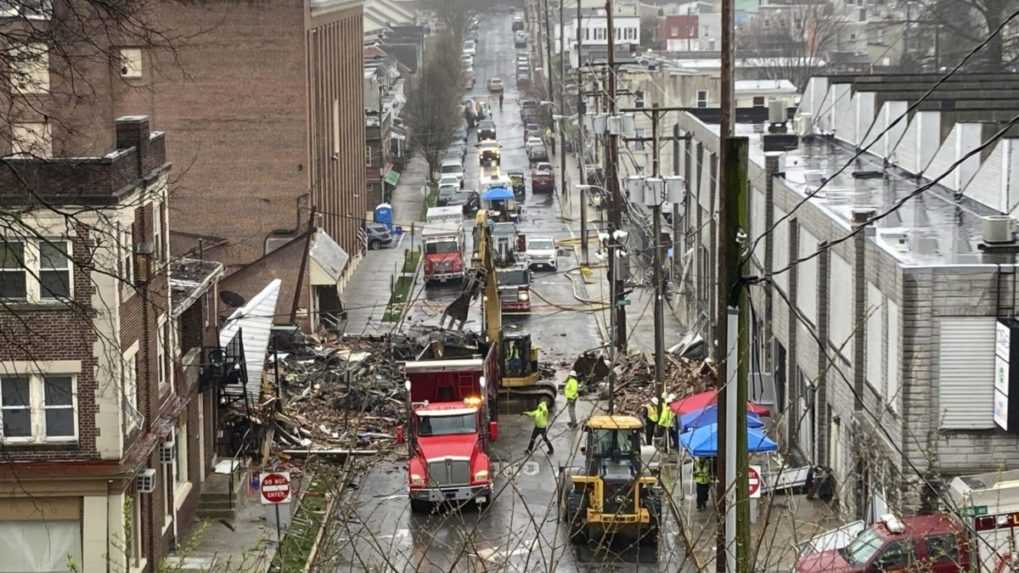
{"points": [[452, 168]]}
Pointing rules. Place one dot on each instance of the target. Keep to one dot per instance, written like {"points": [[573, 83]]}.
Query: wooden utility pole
{"points": [[581, 154], [548, 57], [615, 205], [563, 191], [656, 243]]}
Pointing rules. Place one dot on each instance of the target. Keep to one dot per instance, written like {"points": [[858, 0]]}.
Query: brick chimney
{"points": [[133, 131]]}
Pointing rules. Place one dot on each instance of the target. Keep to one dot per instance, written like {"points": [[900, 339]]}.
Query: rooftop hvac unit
{"points": [[776, 111], [145, 481], [803, 124], [998, 229]]}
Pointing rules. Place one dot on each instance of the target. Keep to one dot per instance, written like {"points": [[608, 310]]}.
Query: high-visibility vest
{"points": [[652, 412], [572, 388], [701, 471], [540, 415], [667, 417]]}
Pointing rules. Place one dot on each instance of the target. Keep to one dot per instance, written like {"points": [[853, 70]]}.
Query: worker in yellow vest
{"points": [[650, 420], [702, 478], [540, 416], [667, 422], [571, 390]]}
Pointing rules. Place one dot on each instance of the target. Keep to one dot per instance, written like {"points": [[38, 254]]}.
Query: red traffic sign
{"points": [[754, 480], [275, 488]]}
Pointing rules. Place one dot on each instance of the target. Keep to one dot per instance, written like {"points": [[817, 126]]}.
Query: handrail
{"points": [[234, 465]]}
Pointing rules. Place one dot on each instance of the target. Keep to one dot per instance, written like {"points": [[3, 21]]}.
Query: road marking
{"points": [[508, 469]]}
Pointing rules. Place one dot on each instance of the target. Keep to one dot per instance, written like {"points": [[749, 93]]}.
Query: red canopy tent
{"points": [[702, 400]]}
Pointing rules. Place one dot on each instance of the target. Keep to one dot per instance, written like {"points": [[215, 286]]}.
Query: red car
{"points": [[542, 178]]}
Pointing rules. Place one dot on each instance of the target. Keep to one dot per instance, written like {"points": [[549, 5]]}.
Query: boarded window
{"points": [[806, 286], [875, 342], [840, 306]]}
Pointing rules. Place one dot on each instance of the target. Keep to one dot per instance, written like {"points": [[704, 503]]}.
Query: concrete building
{"points": [[594, 31], [107, 438], [888, 374]]}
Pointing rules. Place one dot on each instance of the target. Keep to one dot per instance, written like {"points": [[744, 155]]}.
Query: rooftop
{"points": [[189, 280]]}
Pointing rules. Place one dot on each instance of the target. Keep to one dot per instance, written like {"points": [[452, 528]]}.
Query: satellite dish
{"points": [[231, 298]]}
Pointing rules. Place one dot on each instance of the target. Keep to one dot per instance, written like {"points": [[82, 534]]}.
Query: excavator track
{"points": [[518, 399]]}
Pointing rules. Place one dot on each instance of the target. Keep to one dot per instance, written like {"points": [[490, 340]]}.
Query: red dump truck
{"points": [[449, 430]]}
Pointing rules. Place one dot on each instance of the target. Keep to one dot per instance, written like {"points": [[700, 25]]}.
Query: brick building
{"points": [[266, 106], [94, 384], [888, 376]]}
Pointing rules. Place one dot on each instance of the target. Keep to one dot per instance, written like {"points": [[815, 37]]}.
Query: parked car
{"points": [[520, 39], [447, 193], [470, 47], [452, 180], [536, 151], [460, 135], [495, 85], [468, 200], [486, 130], [468, 60], [541, 252], [518, 23], [452, 168], [531, 130], [542, 178], [457, 150], [378, 236]]}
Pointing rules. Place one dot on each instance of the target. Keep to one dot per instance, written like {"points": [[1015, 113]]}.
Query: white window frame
{"points": [[157, 232], [33, 77], [32, 139], [161, 373], [181, 473], [125, 246], [874, 324], [32, 265], [130, 385], [131, 63], [38, 409], [69, 270]]}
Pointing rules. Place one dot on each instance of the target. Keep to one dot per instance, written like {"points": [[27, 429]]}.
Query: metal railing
{"points": [[235, 466]]}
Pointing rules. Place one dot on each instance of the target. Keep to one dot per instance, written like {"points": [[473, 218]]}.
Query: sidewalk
{"points": [[366, 295]]}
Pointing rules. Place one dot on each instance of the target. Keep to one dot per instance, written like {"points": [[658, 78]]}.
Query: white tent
{"points": [[254, 321]]}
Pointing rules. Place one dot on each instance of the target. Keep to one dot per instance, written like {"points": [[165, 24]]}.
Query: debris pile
{"points": [[635, 379]]}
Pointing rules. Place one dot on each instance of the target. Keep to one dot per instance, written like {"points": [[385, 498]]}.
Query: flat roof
{"points": [[930, 230]]}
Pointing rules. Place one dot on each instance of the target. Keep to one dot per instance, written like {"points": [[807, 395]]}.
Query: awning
{"points": [[392, 177], [328, 259], [497, 194], [254, 320]]}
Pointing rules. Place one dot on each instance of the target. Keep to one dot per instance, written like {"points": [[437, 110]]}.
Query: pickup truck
{"points": [[449, 430], [542, 178], [515, 288]]}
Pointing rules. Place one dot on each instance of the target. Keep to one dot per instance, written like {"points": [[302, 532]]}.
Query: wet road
{"points": [[519, 530]]}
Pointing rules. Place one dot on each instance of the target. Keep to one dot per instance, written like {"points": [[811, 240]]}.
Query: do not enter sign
{"points": [[754, 480], [275, 488]]}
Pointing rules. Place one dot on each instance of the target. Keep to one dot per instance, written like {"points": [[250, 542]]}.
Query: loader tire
{"points": [[574, 515], [419, 506]]}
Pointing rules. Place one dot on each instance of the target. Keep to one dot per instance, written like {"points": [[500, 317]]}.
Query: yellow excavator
{"points": [[519, 385]]}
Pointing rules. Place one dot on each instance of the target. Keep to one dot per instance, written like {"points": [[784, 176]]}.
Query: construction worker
{"points": [[540, 416], [702, 478], [666, 422], [571, 390], [650, 420]]}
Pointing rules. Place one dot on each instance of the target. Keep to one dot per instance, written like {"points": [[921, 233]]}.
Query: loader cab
{"points": [[613, 442]]}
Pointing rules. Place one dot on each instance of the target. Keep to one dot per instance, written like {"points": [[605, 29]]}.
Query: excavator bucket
{"points": [[458, 310]]}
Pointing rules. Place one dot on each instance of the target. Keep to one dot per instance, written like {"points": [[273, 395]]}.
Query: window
{"points": [[30, 73], [897, 555], [892, 377], [368, 159], [702, 98], [36, 271], [126, 257], [130, 63], [942, 548], [54, 270], [157, 232], [161, 342], [587, 34], [132, 417], [758, 101], [12, 270], [180, 467], [39, 408], [31, 140]]}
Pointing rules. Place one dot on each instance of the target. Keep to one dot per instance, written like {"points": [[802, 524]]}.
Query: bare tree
{"points": [[797, 40], [965, 23], [433, 101]]}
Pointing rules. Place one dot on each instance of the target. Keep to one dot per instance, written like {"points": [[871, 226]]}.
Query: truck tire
{"points": [[652, 501], [574, 515], [419, 506]]}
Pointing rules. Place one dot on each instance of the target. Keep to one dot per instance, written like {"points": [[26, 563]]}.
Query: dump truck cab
{"points": [[611, 494]]}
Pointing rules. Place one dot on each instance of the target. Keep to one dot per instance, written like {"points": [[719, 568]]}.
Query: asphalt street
{"points": [[520, 529]]}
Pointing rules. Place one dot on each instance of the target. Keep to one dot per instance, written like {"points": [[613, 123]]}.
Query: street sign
{"points": [[754, 480], [275, 488], [973, 511]]}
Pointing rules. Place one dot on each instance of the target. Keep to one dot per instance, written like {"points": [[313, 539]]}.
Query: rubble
{"points": [[635, 378]]}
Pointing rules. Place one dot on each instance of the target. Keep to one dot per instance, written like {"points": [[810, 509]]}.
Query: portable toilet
{"points": [[384, 215]]}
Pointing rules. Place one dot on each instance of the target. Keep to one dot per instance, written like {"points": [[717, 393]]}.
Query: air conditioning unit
{"points": [[145, 481], [166, 453]]}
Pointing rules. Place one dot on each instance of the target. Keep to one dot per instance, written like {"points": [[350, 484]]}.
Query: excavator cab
{"points": [[519, 360], [611, 495]]}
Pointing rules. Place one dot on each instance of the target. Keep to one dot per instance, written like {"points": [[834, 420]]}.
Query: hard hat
{"points": [[671, 397], [654, 400], [573, 372]]}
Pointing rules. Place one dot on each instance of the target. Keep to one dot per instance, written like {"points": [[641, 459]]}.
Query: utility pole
{"points": [[725, 535], [581, 153], [548, 56], [615, 205], [676, 243], [564, 191], [656, 242]]}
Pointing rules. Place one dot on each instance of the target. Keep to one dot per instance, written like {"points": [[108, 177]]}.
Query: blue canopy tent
{"points": [[709, 415], [497, 194], [703, 442]]}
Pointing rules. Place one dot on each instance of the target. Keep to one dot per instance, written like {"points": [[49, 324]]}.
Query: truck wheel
{"points": [[419, 506], [575, 513]]}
